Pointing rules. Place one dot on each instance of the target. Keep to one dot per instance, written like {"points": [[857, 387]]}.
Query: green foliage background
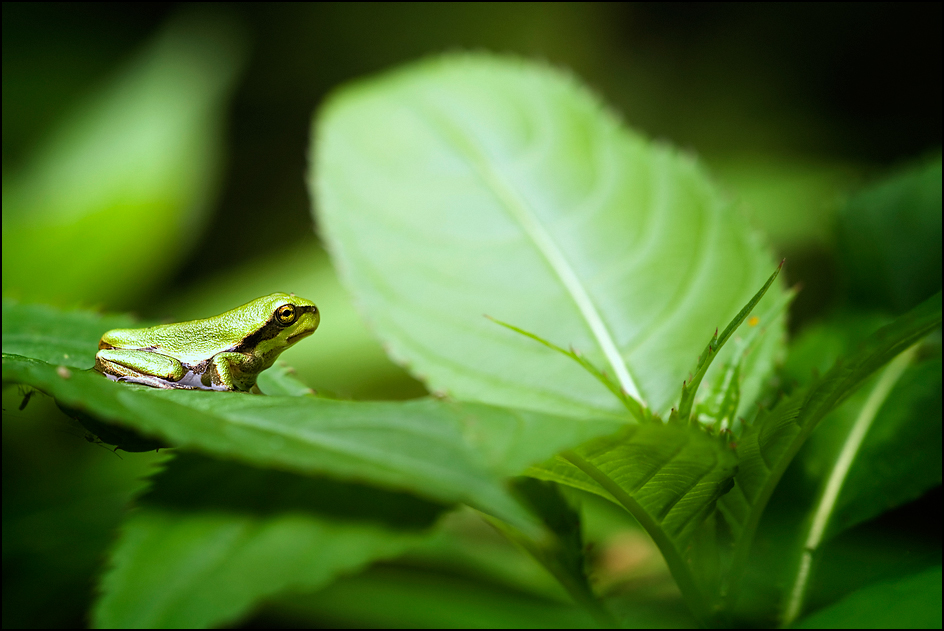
{"points": [[155, 160]]}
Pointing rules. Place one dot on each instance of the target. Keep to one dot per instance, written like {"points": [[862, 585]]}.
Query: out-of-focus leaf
{"points": [[794, 201], [768, 446], [63, 499], [116, 194], [470, 185], [890, 238], [211, 539], [390, 597], [909, 603], [562, 553], [442, 450], [820, 345], [878, 477]]}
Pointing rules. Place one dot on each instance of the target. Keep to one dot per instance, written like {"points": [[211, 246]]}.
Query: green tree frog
{"points": [[225, 352]]}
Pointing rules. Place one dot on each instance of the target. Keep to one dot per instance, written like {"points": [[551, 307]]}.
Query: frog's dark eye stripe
{"points": [[286, 314]]}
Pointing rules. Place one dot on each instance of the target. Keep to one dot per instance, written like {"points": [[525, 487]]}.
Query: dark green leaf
{"points": [[211, 539], [562, 553], [668, 477], [899, 458], [909, 603], [410, 598], [442, 450], [768, 446], [890, 238]]}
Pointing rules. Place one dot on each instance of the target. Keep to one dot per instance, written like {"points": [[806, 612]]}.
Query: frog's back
{"points": [[197, 340]]}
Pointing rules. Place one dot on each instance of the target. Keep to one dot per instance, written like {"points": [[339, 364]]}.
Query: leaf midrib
{"points": [[521, 212]]}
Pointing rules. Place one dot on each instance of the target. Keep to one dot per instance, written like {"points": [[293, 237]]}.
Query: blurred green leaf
{"points": [[470, 184], [562, 553], [820, 345], [211, 539], [794, 201], [769, 445], [115, 196], [909, 603], [63, 499], [834, 478], [890, 238], [410, 598]]}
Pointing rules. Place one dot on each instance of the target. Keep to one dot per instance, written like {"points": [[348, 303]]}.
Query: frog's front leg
{"points": [[230, 371], [145, 367]]}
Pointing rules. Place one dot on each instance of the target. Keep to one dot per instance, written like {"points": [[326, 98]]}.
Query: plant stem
{"points": [[579, 593], [680, 570], [831, 490]]}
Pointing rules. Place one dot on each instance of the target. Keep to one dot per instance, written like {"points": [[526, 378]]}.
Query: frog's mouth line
{"points": [[298, 336]]}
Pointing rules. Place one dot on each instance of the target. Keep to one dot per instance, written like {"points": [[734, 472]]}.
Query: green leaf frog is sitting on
{"points": [[225, 352]]}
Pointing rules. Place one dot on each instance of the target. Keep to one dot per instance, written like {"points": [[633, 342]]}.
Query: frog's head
{"points": [[281, 321]]}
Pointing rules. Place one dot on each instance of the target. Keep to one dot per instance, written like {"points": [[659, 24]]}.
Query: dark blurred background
{"points": [[849, 88]]}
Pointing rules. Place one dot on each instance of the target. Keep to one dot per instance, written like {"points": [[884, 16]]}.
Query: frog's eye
{"points": [[286, 314]]}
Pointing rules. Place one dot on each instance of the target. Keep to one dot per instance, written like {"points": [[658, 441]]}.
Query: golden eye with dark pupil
{"points": [[286, 314]]}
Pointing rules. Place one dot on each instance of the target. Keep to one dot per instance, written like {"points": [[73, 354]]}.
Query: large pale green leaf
{"points": [[471, 185], [768, 446], [108, 203], [211, 539], [442, 450]]}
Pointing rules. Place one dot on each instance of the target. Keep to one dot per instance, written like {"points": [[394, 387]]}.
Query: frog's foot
{"points": [[153, 382]]}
